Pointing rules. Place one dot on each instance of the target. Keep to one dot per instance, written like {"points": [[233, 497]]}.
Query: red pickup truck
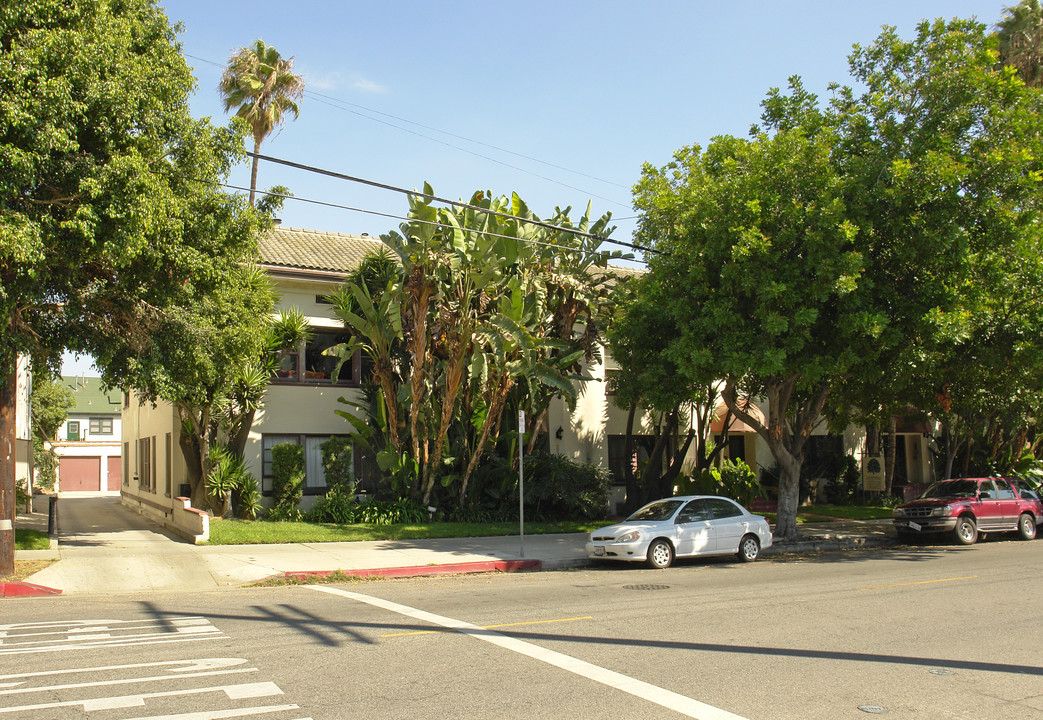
{"points": [[969, 506]]}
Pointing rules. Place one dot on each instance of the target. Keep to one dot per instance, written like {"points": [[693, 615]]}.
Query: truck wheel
{"points": [[966, 532], [1027, 527]]}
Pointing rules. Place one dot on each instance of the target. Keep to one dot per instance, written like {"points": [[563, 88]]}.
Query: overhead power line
{"points": [[340, 104], [418, 220], [454, 203]]}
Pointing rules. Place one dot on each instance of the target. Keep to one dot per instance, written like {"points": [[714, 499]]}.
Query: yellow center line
{"points": [[921, 582], [490, 627]]}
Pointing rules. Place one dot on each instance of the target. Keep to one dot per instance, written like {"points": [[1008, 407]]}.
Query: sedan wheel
{"points": [[660, 554], [1027, 527], [749, 548], [966, 531]]}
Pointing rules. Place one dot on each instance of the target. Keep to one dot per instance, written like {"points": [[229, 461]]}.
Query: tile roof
{"points": [[300, 249], [296, 248]]}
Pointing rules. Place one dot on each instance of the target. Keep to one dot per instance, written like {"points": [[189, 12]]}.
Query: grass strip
{"points": [[250, 532], [27, 539]]}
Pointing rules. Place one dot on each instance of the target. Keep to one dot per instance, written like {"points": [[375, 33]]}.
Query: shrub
{"points": [[46, 463], [557, 488], [734, 479], [336, 506], [739, 481], [227, 473], [247, 498], [287, 478], [843, 488], [337, 461], [391, 512]]}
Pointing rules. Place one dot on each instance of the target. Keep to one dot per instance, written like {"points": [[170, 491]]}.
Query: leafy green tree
{"points": [[757, 234], [111, 208], [650, 380], [261, 86], [941, 153], [1020, 36], [50, 403]]}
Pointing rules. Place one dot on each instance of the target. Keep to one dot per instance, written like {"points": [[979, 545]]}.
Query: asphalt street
{"points": [[931, 632]]}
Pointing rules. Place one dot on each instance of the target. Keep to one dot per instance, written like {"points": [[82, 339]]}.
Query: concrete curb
{"points": [[427, 570], [781, 548], [24, 589]]}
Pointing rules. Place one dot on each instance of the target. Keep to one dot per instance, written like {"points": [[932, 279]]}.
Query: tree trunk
{"points": [[889, 457], [237, 442], [492, 416], [787, 442], [8, 458], [634, 497], [789, 495]]}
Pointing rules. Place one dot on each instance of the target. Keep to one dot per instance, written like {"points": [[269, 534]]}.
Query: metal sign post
{"points": [[521, 481]]}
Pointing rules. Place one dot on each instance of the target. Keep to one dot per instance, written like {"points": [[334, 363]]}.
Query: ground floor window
{"points": [[736, 446], [618, 459], [314, 471]]}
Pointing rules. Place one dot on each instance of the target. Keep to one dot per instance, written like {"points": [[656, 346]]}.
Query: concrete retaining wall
{"points": [[182, 519]]}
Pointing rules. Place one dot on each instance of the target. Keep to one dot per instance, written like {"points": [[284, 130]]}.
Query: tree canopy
{"points": [[111, 209], [863, 246]]}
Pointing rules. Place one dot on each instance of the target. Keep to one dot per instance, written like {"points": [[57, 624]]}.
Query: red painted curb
{"points": [[24, 589], [423, 570]]}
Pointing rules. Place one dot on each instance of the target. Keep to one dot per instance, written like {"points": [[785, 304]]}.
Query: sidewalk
{"points": [[124, 555]]}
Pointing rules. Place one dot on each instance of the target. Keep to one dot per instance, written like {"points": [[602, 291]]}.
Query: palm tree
{"points": [[1020, 35], [259, 84]]}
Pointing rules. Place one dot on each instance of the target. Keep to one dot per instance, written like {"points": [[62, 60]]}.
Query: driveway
{"points": [[107, 548]]}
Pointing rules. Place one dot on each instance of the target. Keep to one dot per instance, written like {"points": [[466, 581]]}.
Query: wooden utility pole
{"points": [[8, 404]]}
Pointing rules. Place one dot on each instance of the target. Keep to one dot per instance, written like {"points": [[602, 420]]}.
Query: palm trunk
{"points": [[253, 172]]}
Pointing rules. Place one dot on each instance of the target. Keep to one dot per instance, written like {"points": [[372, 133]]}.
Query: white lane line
{"points": [[221, 714], [91, 646], [99, 625], [638, 688], [246, 691], [105, 636], [193, 665], [126, 681]]}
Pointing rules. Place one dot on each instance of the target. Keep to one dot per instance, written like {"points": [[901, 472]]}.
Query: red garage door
{"points": [[115, 478], [79, 473]]}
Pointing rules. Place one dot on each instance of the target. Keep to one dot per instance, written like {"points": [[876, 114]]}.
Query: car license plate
{"points": [[599, 550], [914, 526]]}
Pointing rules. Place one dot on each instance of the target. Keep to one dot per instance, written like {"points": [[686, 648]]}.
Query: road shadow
{"points": [[339, 632]]}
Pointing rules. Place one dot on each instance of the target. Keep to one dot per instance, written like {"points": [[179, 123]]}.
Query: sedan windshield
{"points": [[954, 489], [662, 510]]}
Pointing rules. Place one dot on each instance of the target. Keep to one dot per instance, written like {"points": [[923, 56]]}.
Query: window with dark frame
{"points": [[315, 477], [310, 364], [101, 426]]}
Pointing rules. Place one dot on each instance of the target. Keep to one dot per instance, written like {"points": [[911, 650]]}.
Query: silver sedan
{"points": [[687, 526]]}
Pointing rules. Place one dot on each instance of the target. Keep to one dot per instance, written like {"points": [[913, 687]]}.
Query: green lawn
{"points": [[821, 513], [26, 539], [243, 532]]}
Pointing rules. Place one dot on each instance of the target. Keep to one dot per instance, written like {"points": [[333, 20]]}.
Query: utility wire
{"points": [[439, 225], [340, 105], [476, 154], [454, 203]]}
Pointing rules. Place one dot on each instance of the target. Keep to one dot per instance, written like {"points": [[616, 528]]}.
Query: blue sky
{"points": [[561, 102]]}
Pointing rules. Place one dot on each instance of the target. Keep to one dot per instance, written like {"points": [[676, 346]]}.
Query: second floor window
{"points": [[101, 426], [311, 364]]}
